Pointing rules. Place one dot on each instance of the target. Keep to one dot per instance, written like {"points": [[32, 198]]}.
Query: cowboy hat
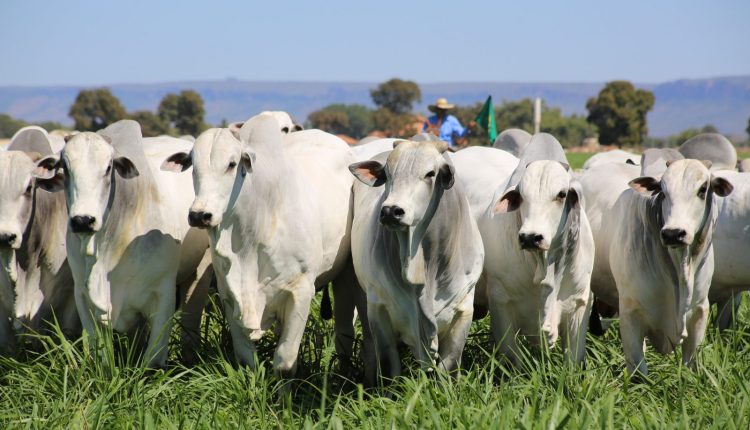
{"points": [[441, 103]]}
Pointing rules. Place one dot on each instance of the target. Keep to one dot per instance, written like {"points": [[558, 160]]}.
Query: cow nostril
{"points": [[398, 212], [530, 241], [673, 235], [207, 216], [7, 239]]}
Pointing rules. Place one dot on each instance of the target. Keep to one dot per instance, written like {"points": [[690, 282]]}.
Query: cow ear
{"points": [[52, 184], [297, 127], [721, 186], [645, 185], [565, 166], [573, 198], [247, 160], [45, 168], [509, 202], [234, 128], [125, 168], [629, 161], [177, 162], [369, 172], [447, 176]]}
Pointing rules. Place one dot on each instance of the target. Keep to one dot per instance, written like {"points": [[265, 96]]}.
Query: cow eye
{"points": [[232, 165], [109, 169], [561, 195], [430, 175], [702, 190]]}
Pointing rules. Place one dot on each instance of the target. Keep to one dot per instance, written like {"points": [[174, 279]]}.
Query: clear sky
{"points": [[138, 41]]}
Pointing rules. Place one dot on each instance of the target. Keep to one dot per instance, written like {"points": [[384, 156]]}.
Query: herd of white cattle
{"points": [[113, 229]]}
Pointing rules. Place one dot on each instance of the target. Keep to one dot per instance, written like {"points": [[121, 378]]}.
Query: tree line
{"points": [[617, 116]]}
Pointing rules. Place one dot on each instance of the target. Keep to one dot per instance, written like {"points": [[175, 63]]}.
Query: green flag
{"points": [[486, 119]]}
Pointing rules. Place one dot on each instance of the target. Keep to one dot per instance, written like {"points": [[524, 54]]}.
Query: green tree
{"points": [[151, 124], [681, 137], [352, 120], [619, 113], [569, 130], [396, 95], [515, 114], [95, 109], [183, 112], [9, 126], [393, 124]]}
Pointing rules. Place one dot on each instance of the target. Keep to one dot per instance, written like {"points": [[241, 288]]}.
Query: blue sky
{"points": [[103, 42]]}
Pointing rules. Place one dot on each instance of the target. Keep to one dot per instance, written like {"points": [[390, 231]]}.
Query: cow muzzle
{"points": [[200, 219], [392, 216], [9, 241], [82, 224], [531, 241], [674, 237]]}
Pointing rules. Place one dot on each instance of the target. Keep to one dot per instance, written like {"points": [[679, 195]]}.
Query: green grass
{"points": [[576, 159], [64, 387]]}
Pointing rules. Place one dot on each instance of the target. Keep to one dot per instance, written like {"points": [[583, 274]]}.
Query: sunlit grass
{"points": [[68, 384]]}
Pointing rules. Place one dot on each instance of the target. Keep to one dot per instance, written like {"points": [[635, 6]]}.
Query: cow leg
{"points": [[193, 297], [451, 344], [574, 336], [386, 351], [633, 335], [85, 313], [70, 322], [727, 308], [160, 321], [696, 329], [504, 332], [345, 290], [369, 359], [293, 320]]}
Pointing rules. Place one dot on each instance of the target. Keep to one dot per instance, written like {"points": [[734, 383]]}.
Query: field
{"points": [[64, 387]]}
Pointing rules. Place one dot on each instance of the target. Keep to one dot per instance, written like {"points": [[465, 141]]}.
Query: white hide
{"points": [[286, 124], [277, 218], [531, 291], [663, 283]]}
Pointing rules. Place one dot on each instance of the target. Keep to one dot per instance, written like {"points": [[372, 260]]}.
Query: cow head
{"points": [[220, 163], [544, 196], [412, 174], [687, 189], [89, 163], [21, 175]]}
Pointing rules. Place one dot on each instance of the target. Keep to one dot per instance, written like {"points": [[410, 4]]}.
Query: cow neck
{"points": [[411, 251], [260, 205]]}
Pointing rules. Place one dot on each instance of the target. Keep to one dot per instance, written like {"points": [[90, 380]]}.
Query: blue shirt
{"points": [[448, 128]]}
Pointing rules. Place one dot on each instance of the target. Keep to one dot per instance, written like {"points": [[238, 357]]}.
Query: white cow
{"points": [[539, 247], [614, 156], [662, 259], [278, 219], [125, 233], [285, 121], [417, 254], [36, 286]]}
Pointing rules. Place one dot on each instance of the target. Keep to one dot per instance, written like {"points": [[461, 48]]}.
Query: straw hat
{"points": [[441, 103]]}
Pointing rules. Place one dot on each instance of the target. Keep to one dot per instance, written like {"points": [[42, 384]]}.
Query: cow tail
{"points": [[326, 312]]}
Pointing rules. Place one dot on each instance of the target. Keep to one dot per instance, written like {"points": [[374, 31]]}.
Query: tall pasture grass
{"points": [[79, 384]]}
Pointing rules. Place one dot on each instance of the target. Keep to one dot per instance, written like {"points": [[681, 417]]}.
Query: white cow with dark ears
{"points": [[124, 236], [36, 286], [417, 253], [538, 244], [662, 259]]}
